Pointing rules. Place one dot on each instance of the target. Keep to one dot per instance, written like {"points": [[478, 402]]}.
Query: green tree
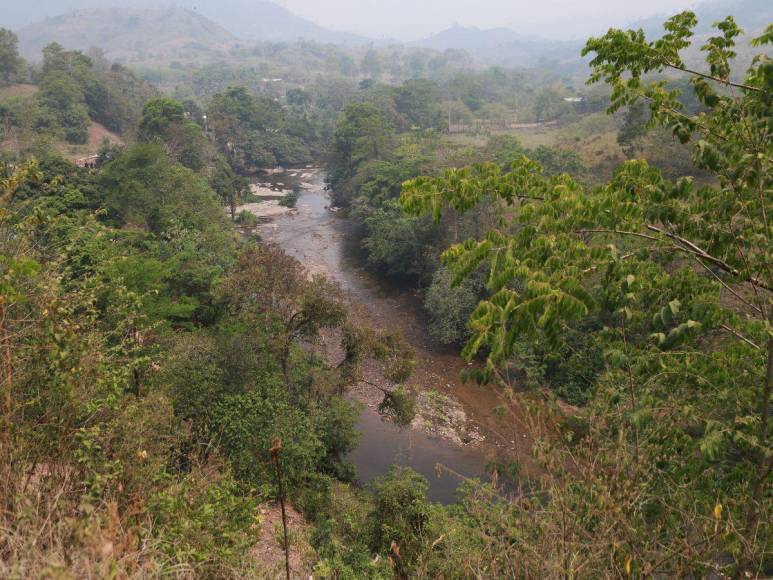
{"points": [[230, 188], [450, 306], [680, 276], [371, 64], [9, 55], [400, 245], [401, 517], [633, 129], [60, 94], [164, 119], [418, 101], [363, 133], [144, 187]]}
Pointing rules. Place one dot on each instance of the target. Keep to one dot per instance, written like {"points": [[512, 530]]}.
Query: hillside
{"points": [[506, 47], [751, 15], [264, 20], [202, 21], [127, 34], [503, 46]]}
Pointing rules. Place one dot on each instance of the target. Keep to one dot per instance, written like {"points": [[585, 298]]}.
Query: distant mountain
{"points": [[264, 20], [751, 15], [247, 19], [505, 47], [128, 33]]}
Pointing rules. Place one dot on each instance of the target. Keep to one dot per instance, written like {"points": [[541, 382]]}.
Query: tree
{"points": [[9, 55], [679, 279], [164, 120], [65, 99], [230, 187], [400, 245], [144, 187], [400, 519], [363, 133], [371, 64], [450, 306], [418, 101], [270, 289], [633, 129], [252, 132]]}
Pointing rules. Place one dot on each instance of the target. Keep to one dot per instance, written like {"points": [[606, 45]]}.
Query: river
{"points": [[324, 242]]}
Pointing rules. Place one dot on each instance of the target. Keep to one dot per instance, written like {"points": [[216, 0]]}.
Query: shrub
{"points": [[247, 219]]}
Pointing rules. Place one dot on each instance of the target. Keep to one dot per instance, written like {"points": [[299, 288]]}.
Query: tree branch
{"points": [[740, 336], [692, 248], [726, 82]]}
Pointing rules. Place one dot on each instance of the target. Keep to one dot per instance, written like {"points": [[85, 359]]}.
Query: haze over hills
{"points": [[506, 47], [265, 20], [503, 46], [247, 19], [194, 27], [751, 15], [125, 32]]}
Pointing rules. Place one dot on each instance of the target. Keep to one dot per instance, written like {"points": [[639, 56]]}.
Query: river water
{"points": [[324, 243]]}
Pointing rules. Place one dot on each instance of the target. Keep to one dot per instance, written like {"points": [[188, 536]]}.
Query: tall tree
{"points": [[9, 55]]}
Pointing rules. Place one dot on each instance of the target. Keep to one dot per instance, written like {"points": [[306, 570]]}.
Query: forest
{"points": [[566, 276]]}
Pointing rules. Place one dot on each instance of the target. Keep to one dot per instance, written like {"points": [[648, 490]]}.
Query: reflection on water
{"points": [[318, 239], [384, 444]]}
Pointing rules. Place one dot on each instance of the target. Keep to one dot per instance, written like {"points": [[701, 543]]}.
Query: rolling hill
{"points": [[125, 34], [259, 20], [265, 20], [503, 46]]}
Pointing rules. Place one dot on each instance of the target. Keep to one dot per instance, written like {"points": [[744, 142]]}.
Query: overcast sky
{"points": [[411, 19]]}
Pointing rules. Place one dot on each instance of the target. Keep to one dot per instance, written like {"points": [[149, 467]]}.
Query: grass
{"points": [[18, 90], [593, 138]]}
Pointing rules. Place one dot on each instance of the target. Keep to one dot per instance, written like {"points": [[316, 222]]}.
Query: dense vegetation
{"points": [[667, 286], [155, 363]]}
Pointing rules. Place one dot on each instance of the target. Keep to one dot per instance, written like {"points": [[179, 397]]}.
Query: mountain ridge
{"points": [[260, 20], [125, 32]]}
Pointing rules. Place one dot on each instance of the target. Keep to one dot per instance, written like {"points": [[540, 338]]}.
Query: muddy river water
{"points": [[325, 242]]}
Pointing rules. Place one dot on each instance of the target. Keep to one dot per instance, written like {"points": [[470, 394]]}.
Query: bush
{"points": [[246, 425], [400, 520], [399, 245], [450, 306], [290, 199], [247, 219]]}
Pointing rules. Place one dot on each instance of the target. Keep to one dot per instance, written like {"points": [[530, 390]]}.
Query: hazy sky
{"points": [[411, 19]]}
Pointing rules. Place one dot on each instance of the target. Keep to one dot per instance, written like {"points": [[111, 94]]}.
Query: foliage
{"points": [[362, 134], [247, 219], [9, 55], [253, 132], [400, 518], [450, 306], [146, 188], [164, 120], [290, 199], [674, 282], [230, 188], [399, 405]]}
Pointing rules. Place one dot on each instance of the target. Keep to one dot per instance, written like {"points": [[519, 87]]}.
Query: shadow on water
{"points": [[326, 243], [384, 444]]}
